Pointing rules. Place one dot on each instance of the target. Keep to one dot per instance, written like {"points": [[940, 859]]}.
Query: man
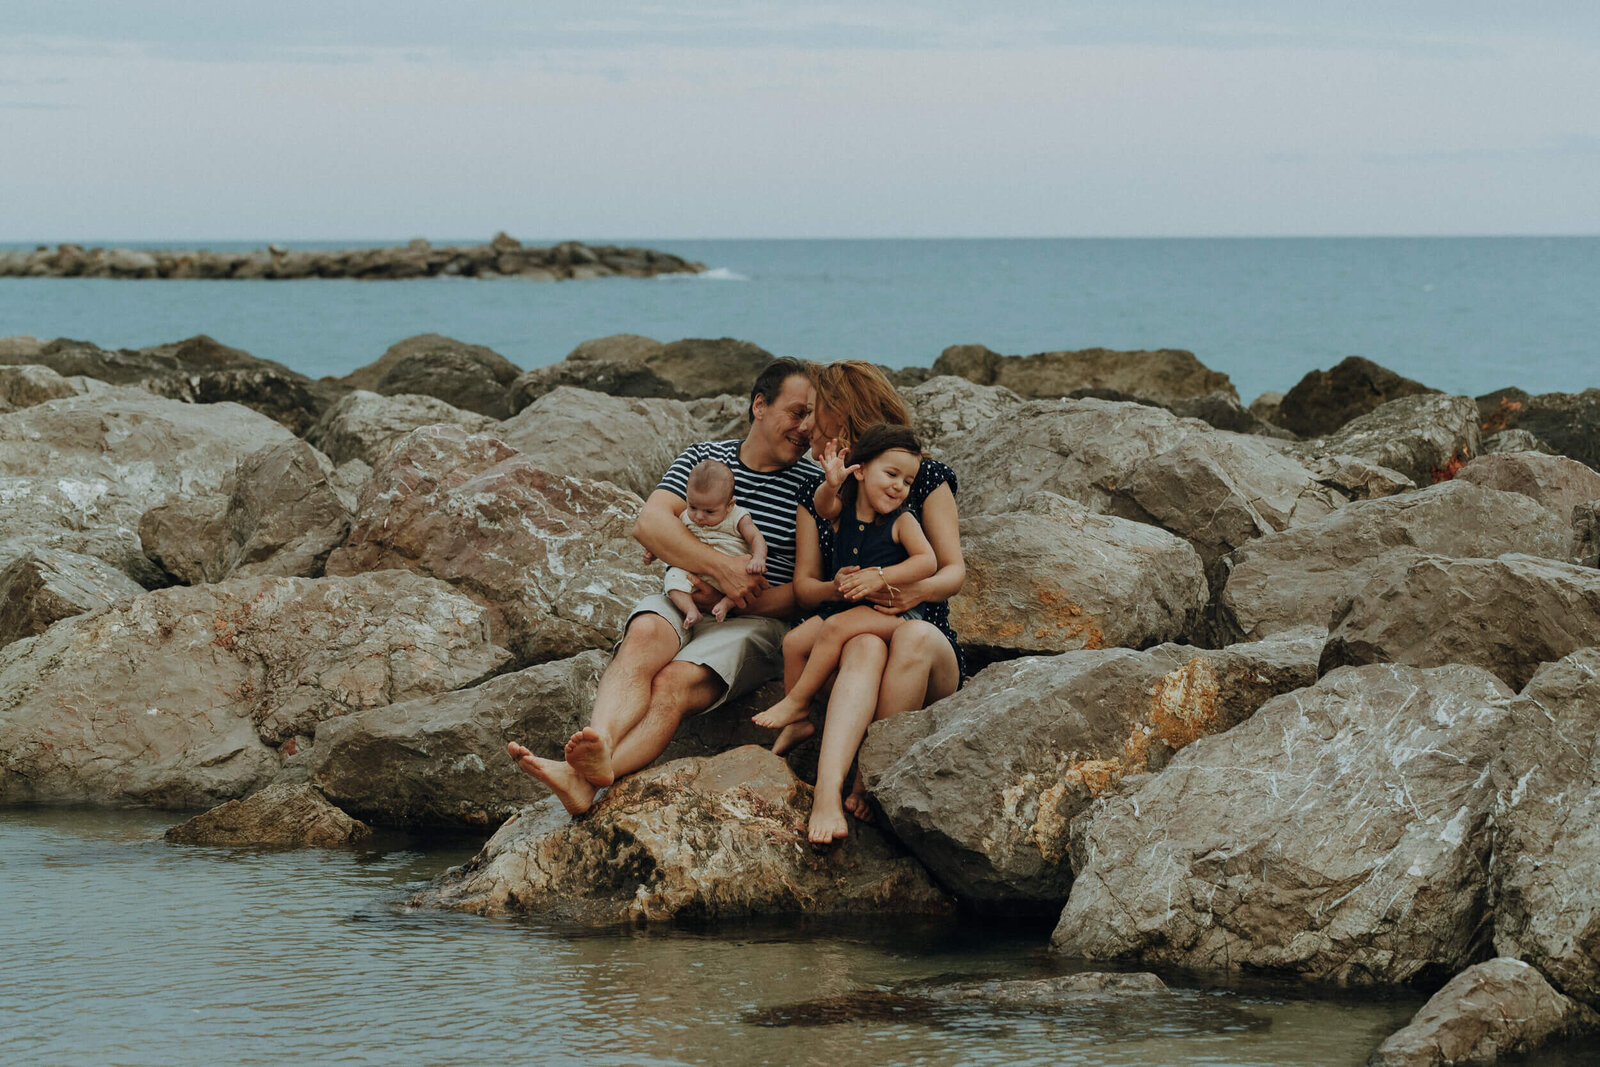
{"points": [[662, 673]]}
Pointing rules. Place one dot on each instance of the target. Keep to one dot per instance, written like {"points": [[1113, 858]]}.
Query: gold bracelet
{"points": [[892, 590]]}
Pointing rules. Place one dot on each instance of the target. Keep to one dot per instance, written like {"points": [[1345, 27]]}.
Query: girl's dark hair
{"points": [[874, 441]]}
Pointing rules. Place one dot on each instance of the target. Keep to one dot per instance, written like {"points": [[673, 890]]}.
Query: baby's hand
{"points": [[834, 470], [649, 557], [757, 565]]}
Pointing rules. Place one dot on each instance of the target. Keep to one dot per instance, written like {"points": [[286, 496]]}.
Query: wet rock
{"points": [[441, 760], [45, 586], [465, 376], [1323, 401], [950, 408], [1339, 834], [76, 474], [1218, 490], [1053, 576], [551, 557], [696, 838], [279, 816], [1295, 578], [589, 435], [612, 377], [1506, 615], [983, 784], [699, 367], [1557, 482], [1567, 422], [1425, 438], [186, 697], [1161, 376], [1500, 1008], [26, 385], [364, 425], [617, 347]]}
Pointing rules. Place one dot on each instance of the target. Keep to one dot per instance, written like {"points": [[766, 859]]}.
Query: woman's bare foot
{"points": [[827, 821], [792, 735], [589, 753], [786, 711], [575, 794], [856, 803]]}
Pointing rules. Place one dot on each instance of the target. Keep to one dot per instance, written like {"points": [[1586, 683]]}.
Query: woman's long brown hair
{"points": [[859, 394]]}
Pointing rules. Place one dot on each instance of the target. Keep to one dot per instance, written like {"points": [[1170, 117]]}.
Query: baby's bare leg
{"points": [[719, 610], [685, 604]]}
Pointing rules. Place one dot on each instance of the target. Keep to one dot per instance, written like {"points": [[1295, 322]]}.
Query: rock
{"points": [[364, 425], [1557, 482], [1222, 410], [186, 697], [1052, 576], [618, 347], [948, 407], [1356, 477], [1218, 490], [1161, 376], [721, 418], [469, 377], [45, 586], [1502, 1007], [1292, 579], [1514, 441], [1546, 865], [1425, 438], [19, 348], [29, 384], [1339, 834], [1567, 422], [699, 367], [76, 474], [279, 816], [1506, 615], [552, 557], [588, 435], [441, 760], [983, 784], [1323, 401], [613, 377], [697, 839], [1586, 534], [290, 399], [1266, 408]]}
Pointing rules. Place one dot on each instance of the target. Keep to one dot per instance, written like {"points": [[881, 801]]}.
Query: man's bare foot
{"points": [[827, 822], [590, 755], [792, 735], [786, 711], [856, 802], [575, 794]]}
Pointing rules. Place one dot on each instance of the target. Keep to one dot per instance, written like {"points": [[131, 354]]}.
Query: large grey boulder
{"points": [[699, 367], [466, 376], [1217, 490], [1340, 834], [1506, 615], [1160, 376], [1357, 478], [722, 837], [1053, 576], [589, 435], [1546, 866], [1426, 438], [364, 425], [1500, 1008], [77, 474], [616, 347], [45, 586], [947, 409], [279, 816], [1325, 400], [1294, 578], [1222, 410], [551, 557], [983, 784], [1557, 482], [29, 384], [186, 697]]}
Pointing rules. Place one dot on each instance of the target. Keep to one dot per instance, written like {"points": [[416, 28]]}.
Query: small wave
{"points": [[715, 274]]}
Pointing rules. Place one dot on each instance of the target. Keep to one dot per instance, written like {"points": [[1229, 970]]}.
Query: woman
{"points": [[921, 662]]}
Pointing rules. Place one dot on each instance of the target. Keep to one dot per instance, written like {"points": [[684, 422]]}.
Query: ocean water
{"points": [[1466, 315]]}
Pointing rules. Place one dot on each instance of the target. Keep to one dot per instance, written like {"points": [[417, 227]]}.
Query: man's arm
{"points": [[661, 531]]}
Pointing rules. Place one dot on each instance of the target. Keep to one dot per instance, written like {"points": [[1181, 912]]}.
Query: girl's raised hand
{"points": [[834, 470]]}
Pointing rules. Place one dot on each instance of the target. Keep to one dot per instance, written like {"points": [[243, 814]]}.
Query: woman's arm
{"points": [[809, 588], [942, 526]]}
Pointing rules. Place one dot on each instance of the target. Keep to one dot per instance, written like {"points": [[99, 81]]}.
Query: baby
{"points": [[717, 520]]}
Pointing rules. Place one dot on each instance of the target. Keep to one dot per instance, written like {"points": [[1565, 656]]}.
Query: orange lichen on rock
{"points": [[1065, 619], [1097, 776], [1502, 416], [1183, 707], [1448, 471]]}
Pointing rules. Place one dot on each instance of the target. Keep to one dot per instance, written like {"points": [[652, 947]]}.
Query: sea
{"points": [[118, 948]]}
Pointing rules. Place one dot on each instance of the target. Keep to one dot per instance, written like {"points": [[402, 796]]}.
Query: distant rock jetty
{"points": [[503, 257]]}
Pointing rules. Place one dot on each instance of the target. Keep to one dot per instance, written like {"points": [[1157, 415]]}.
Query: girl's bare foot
{"points": [[786, 711], [590, 755], [792, 735], [827, 823], [856, 803], [575, 794]]}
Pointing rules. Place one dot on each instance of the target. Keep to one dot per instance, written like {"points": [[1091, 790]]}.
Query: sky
{"points": [[130, 120]]}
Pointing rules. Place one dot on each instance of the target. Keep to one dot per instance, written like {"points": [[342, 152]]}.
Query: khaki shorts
{"points": [[743, 651]]}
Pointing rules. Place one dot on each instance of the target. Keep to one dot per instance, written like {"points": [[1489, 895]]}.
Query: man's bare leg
{"points": [[622, 697], [680, 689], [575, 794], [855, 696]]}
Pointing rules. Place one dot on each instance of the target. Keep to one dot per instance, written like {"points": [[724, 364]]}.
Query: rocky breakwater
{"points": [[502, 257]]}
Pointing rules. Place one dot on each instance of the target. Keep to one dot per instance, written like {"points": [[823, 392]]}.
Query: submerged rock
{"points": [[1341, 833], [1162, 376], [696, 838], [1323, 401], [983, 784], [1501, 1008], [279, 816]]}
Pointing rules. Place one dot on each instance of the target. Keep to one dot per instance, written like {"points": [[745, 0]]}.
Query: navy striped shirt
{"points": [[770, 496]]}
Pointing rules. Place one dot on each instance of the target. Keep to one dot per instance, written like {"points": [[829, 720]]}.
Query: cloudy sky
{"points": [[126, 120]]}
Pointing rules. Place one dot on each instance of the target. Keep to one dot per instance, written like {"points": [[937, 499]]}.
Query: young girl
{"points": [[876, 544]]}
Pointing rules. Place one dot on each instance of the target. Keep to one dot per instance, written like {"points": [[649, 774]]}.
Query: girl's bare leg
{"points": [[855, 694], [824, 660]]}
